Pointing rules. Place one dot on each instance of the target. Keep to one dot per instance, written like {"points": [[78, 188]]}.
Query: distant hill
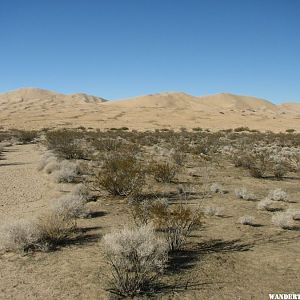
{"points": [[38, 108]]}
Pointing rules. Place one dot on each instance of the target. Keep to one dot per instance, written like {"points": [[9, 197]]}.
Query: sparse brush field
{"points": [[118, 214]]}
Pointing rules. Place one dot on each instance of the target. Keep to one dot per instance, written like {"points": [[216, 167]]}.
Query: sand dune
{"points": [[37, 108]]}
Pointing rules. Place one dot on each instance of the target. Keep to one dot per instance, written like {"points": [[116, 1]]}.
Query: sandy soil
{"points": [[225, 260]]}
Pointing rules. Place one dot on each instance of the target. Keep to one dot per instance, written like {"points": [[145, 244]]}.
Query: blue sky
{"points": [[121, 48]]}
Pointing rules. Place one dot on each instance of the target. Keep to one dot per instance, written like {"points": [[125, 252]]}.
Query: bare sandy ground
{"points": [[226, 260], [32, 108]]}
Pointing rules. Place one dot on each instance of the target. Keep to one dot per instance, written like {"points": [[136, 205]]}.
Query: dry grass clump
{"points": [[47, 158], [284, 220], [82, 191], [213, 210], [163, 171], [120, 175], [247, 220], [278, 195], [55, 229], [21, 235], [62, 170], [137, 257], [242, 193], [68, 171], [265, 204], [71, 206], [294, 213], [47, 233], [216, 188]]}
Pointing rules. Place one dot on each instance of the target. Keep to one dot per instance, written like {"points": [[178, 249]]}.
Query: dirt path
{"points": [[23, 190]]}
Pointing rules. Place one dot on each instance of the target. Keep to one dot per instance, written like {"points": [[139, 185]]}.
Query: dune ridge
{"points": [[34, 108]]}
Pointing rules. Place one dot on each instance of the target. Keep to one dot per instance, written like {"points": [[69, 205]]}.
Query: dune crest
{"points": [[34, 108]]}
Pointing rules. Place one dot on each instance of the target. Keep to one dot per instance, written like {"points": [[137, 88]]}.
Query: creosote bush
{"points": [[175, 222], [163, 171], [66, 143], [54, 228], [137, 257], [25, 136], [120, 175]]}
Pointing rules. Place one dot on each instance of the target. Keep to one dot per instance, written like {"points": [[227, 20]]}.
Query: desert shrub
{"points": [[213, 210], [71, 206], [242, 193], [241, 159], [247, 220], [258, 164], [120, 175], [67, 172], [176, 223], [144, 211], [21, 235], [283, 220], [54, 229], [241, 129], [178, 156], [265, 204], [216, 188], [278, 195], [163, 171], [136, 256], [82, 191], [294, 213], [45, 159], [291, 130], [66, 144], [52, 166], [25, 136]]}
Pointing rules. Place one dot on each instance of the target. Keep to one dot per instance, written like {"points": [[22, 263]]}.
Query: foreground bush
{"points": [[54, 229], [136, 256], [120, 176], [47, 233], [176, 223], [67, 171], [284, 220], [71, 206], [21, 235]]}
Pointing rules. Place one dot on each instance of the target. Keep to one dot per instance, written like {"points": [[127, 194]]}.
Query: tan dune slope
{"points": [[237, 102], [290, 106], [32, 108]]}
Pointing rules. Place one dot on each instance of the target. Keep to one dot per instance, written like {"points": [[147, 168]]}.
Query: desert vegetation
{"points": [[166, 192]]}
